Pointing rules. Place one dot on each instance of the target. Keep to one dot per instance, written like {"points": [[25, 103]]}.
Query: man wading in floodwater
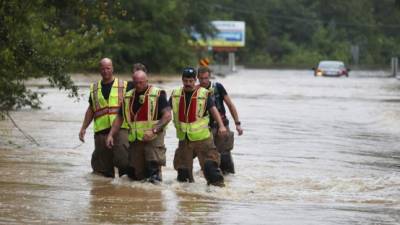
{"points": [[147, 112], [224, 144], [106, 97], [191, 106]]}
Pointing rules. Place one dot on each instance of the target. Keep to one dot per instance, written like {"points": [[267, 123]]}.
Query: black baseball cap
{"points": [[189, 72]]}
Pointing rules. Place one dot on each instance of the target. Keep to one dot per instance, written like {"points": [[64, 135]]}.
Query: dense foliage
{"points": [[294, 33], [42, 38], [301, 32], [49, 38]]}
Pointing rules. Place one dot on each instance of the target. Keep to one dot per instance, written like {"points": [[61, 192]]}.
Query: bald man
{"points": [[147, 113], [106, 96], [135, 67]]}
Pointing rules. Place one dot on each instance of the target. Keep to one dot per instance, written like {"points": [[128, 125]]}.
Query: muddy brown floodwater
{"points": [[315, 151]]}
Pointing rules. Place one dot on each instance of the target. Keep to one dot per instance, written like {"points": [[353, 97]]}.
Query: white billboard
{"points": [[229, 34]]}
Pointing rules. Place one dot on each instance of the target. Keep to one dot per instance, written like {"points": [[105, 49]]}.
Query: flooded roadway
{"points": [[315, 151]]}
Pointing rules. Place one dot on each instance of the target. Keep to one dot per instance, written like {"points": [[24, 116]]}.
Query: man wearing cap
{"points": [[224, 144], [146, 110], [106, 97], [191, 106]]}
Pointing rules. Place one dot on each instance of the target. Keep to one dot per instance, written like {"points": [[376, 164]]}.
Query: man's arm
{"points": [[114, 129], [233, 111], [86, 122], [165, 118], [164, 110], [215, 114]]}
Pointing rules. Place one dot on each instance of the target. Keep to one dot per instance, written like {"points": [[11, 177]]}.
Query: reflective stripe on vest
{"points": [[190, 122], [146, 117], [105, 111]]}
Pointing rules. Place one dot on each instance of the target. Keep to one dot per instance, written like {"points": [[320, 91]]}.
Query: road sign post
{"points": [[229, 37]]}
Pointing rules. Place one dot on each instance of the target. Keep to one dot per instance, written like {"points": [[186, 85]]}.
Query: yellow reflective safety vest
{"points": [[105, 111], [146, 117], [191, 121]]}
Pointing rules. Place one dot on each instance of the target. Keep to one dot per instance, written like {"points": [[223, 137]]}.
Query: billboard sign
{"points": [[229, 34]]}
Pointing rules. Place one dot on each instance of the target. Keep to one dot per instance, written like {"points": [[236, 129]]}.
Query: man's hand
{"points": [[239, 129], [148, 135], [82, 133], [222, 131], [110, 141]]}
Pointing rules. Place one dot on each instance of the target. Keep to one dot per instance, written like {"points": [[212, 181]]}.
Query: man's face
{"points": [[204, 79], [188, 83], [106, 70], [140, 82]]}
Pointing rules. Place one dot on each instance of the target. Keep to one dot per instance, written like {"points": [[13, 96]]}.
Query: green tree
{"points": [[293, 32], [39, 38], [156, 33]]}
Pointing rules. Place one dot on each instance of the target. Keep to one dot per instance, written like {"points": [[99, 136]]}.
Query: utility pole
{"points": [[395, 66]]}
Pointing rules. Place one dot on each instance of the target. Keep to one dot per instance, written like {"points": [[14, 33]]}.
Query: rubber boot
{"points": [[227, 165], [130, 171], [122, 171], [153, 172], [213, 174], [104, 174], [109, 173], [185, 176]]}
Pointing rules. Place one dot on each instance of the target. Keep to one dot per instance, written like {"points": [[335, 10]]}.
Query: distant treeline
{"points": [[287, 33], [49, 38], [301, 32]]}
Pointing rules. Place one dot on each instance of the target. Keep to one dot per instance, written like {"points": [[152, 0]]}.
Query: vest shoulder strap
{"points": [[177, 92], [95, 91], [154, 91], [129, 93], [215, 89], [202, 92]]}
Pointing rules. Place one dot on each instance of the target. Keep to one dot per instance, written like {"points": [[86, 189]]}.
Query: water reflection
{"points": [[123, 203], [194, 209]]}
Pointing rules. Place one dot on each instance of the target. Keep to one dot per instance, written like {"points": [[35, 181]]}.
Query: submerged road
{"points": [[314, 151]]}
